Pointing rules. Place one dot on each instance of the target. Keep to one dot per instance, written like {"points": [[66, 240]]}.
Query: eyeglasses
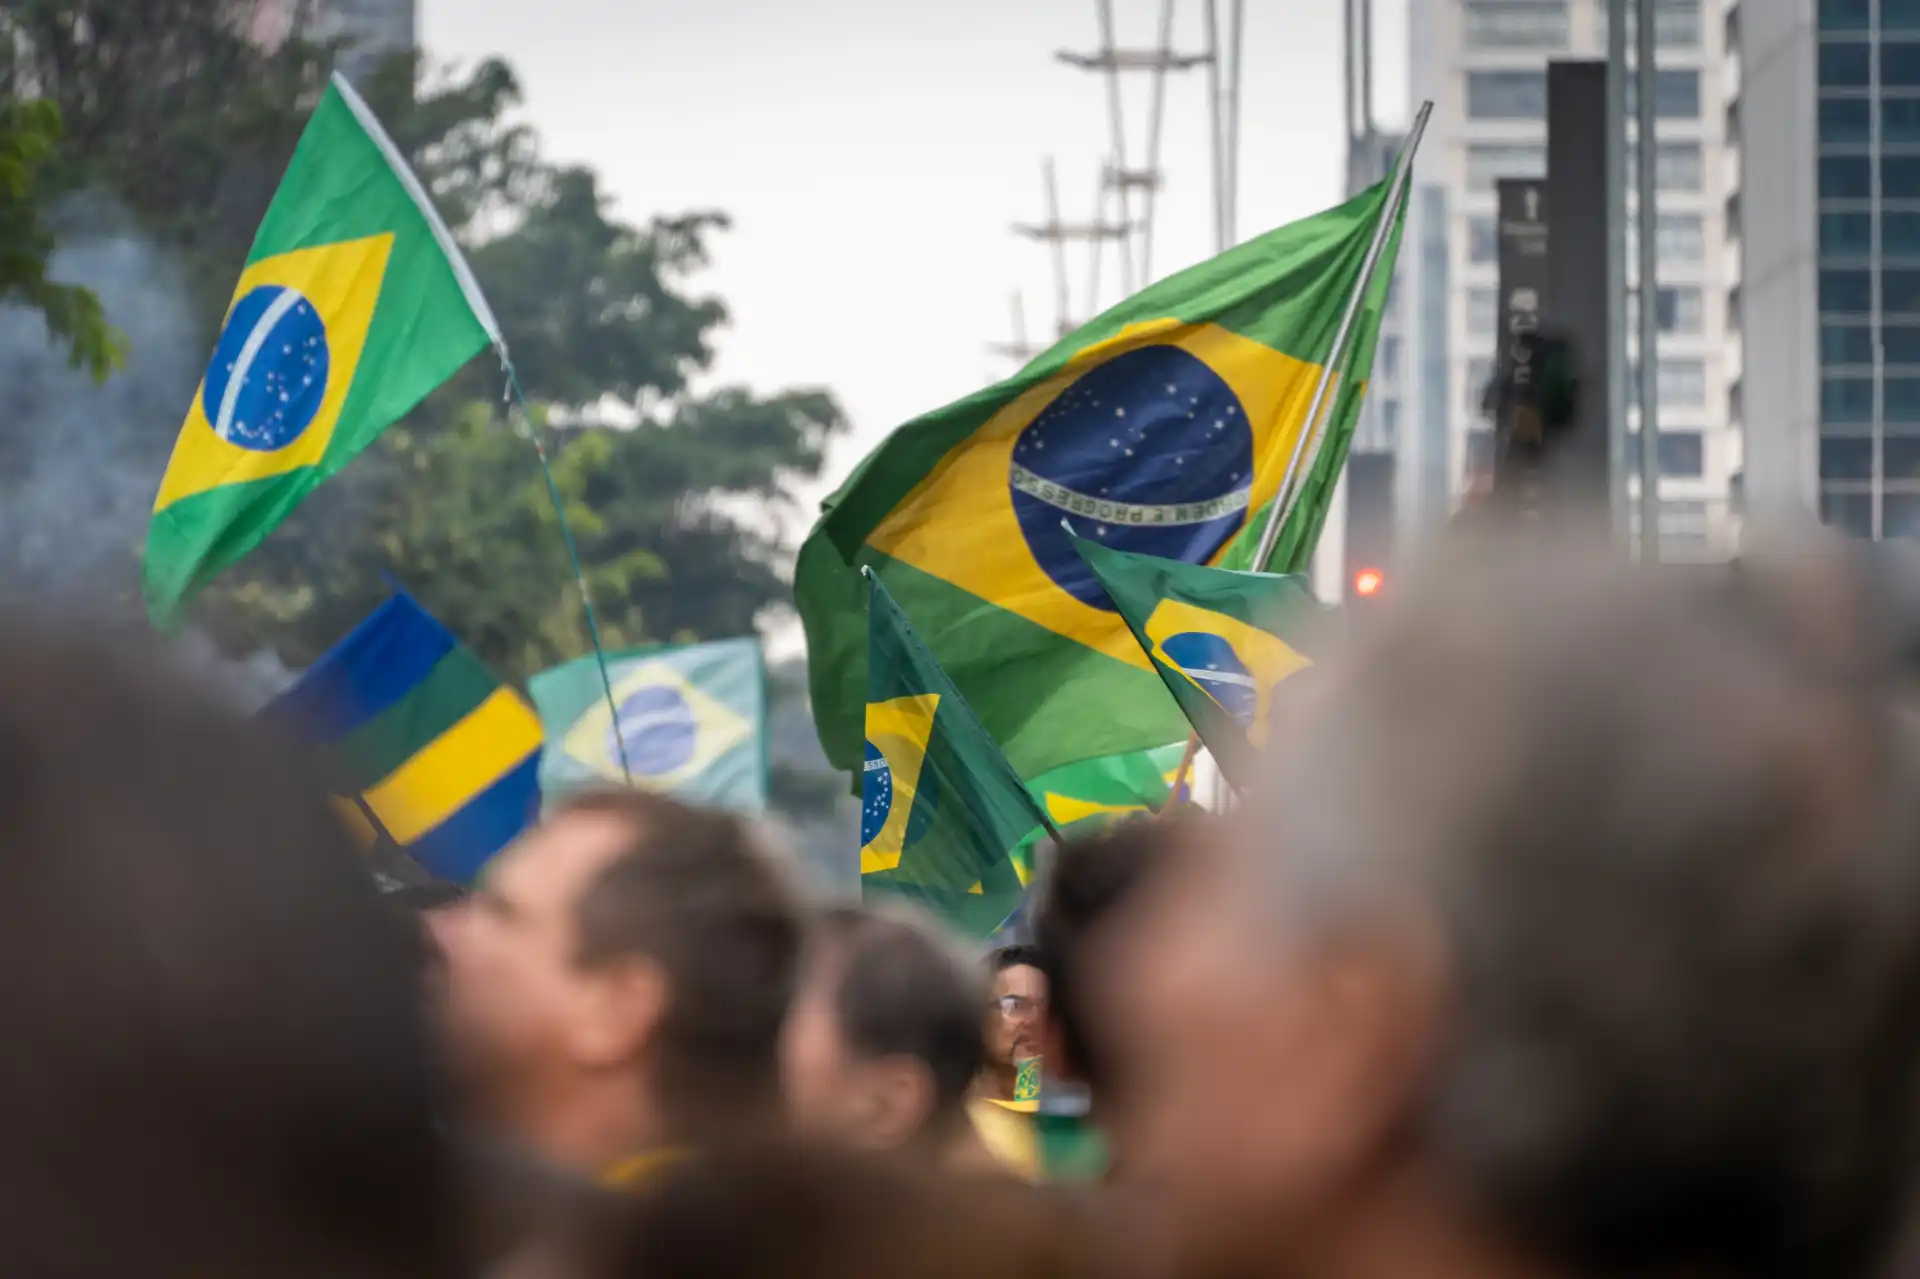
{"points": [[1019, 1006]]}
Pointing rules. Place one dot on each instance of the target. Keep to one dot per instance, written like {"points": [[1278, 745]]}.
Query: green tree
{"points": [[186, 120], [29, 134], [173, 107]]}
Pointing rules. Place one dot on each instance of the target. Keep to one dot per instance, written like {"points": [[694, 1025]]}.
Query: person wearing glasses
{"points": [[1007, 1093]]}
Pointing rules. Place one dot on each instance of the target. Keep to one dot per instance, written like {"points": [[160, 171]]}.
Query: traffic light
{"points": [[1369, 523]]}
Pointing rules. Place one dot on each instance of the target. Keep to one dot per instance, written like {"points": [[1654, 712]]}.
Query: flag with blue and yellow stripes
{"points": [[419, 735], [1221, 640]]}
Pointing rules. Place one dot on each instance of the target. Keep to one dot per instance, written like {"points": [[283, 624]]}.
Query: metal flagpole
{"points": [[1288, 493], [573, 555]]}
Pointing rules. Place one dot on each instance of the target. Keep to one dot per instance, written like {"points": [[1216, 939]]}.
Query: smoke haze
{"points": [[80, 461]]}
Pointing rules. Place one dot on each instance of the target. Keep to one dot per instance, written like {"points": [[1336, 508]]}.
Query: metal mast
{"points": [[1130, 179]]}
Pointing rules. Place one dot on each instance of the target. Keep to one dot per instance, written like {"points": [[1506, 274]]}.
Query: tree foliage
{"points": [[674, 488], [29, 133]]}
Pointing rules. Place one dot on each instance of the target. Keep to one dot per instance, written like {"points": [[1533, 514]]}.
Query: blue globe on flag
{"points": [[1149, 452], [1210, 662], [876, 794], [658, 728], [268, 376]]}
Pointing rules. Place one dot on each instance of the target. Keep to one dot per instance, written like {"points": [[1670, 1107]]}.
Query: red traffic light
{"points": [[1367, 582]]}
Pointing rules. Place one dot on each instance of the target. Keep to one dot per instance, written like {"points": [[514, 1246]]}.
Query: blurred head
{"points": [[221, 1065], [1089, 881], [1577, 913], [800, 1212], [884, 1038], [1018, 1007], [633, 949]]}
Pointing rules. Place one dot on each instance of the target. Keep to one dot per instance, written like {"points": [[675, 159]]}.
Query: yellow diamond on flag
{"points": [[283, 367], [1234, 664], [671, 729], [897, 735]]}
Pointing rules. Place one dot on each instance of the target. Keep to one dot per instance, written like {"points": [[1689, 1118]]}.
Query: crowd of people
{"points": [[1573, 929]]}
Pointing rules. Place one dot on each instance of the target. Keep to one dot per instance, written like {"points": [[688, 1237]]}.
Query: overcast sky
{"points": [[873, 154]]}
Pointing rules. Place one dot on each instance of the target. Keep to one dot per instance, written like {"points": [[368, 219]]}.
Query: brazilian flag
{"points": [[940, 807], [354, 305], [1086, 797], [1165, 426], [1218, 638]]}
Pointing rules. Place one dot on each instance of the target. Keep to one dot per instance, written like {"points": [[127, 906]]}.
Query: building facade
{"points": [[369, 30], [1483, 64], [1827, 223]]}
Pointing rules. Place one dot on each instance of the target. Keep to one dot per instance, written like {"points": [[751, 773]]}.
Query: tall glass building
{"points": [[1826, 211]]}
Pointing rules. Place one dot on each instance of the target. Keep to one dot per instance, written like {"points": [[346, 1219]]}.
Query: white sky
{"points": [[873, 154]]}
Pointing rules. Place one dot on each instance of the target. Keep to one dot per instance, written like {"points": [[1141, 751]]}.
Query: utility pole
{"points": [[1057, 234]]}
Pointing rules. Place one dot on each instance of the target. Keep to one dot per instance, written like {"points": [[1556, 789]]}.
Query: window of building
{"points": [[1899, 515], [1845, 177], [1683, 525], [1899, 121], [1845, 121], [1483, 239], [1846, 292], [1386, 357], [1479, 374], [1734, 311], [1843, 345], [1488, 161], [1850, 513], [1483, 311], [1899, 233], [1683, 383], [1899, 177], [1733, 218], [1846, 401], [1682, 240], [1899, 65], [1843, 15], [1676, 25], [1846, 457], [1516, 24], [1900, 401], [1676, 94], [1679, 310], [1846, 235], [1677, 166], [1899, 458], [1899, 345], [1507, 95], [1900, 15], [1900, 290], [1683, 454], [1845, 64]]}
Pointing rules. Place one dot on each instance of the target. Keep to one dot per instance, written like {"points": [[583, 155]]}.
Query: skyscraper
{"points": [[1826, 216], [1483, 63]]}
